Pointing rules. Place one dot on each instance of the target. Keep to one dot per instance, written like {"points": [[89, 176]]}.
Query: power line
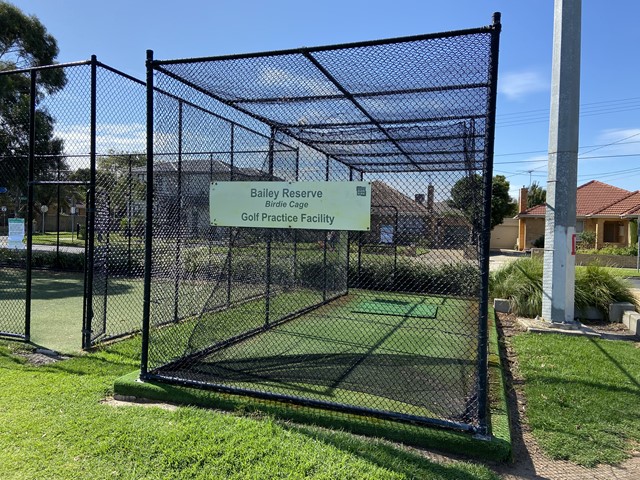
{"points": [[617, 142], [586, 109]]}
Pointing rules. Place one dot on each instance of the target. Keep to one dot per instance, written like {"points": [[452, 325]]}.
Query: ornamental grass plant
{"points": [[521, 283]]}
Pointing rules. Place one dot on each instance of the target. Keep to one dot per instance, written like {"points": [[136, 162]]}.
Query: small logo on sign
{"points": [[361, 191]]}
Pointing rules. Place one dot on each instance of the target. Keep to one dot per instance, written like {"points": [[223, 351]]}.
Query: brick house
{"points": [[610, 212]]}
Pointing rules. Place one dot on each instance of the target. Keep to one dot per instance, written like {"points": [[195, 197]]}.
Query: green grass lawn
{"points": [[54, 425], [51, 238], [623, 272], [583, 396]]}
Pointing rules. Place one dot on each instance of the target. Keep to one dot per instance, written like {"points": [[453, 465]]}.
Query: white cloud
{"points": [[279, 77], [126, 138], [518, 85], [615, 142]]}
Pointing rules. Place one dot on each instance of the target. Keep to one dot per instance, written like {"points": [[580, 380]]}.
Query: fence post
{"points": [[483, 337], [269, 236], [230, 253], [129, 212], [91, 213], [176, 292], [326, 233], [33, 94], [144, 356]]}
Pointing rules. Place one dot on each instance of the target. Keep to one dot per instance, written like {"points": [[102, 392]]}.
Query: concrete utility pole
{"points": [[559, 256]]}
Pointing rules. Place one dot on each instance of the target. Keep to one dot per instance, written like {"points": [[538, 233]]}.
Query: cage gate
{"points": [[71, 139], [389, 322]]}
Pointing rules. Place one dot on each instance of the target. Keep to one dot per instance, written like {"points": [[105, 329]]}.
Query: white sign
{"points": [[304, 205], [386, 233], [16, 233]]}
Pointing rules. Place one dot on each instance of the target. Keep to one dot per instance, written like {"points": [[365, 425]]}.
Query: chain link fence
{"points": [[72, 141], [389, 322]]}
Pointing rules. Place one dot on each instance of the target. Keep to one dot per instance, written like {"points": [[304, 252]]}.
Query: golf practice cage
{"points": [[388, 320]]}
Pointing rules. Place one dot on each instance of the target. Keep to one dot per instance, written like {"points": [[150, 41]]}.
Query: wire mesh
{"points": [[88, 139], [120, 193], [390, 322]]}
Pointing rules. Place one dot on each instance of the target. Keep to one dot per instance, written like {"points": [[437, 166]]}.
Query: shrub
{"points": [[538, 242], [597, 287], [587, 240], [73, 262], [521, 283], [122, 260], [311, 274], [448, 279], [626, 251]]}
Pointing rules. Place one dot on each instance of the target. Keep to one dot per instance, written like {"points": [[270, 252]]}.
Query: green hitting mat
{"points": [[396, 307]]}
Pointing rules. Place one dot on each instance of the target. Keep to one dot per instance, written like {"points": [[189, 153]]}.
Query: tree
{"points": [[466, 195], [536, 195], [24, 43], [502, 205], [126, 192]]}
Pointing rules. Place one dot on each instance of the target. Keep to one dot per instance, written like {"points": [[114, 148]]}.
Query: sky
{"points": [[120, 31]]}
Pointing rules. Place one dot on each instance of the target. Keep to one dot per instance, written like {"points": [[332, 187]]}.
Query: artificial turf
{"points": [[424, 367], [397, 308], [57, 306]]}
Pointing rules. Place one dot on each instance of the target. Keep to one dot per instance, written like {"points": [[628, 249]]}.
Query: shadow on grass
{"points": [[47, 285], [617, 364], [392, 458], [443, 386], [110, 361]]}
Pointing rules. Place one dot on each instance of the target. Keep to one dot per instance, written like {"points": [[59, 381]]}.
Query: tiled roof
{"points": [[205, 167], [591, 197], [628, 204], [634, 211], [384, 195], [387, 196]]}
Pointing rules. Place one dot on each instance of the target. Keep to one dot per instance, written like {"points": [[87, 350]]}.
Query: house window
{"points": [[579, 226], [610, 232]]}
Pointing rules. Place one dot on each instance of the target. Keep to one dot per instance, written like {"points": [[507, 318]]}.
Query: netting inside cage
{"points": [[387, 321]]}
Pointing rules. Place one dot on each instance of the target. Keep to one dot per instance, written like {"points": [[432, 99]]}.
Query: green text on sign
{"points": [[308, 205]]}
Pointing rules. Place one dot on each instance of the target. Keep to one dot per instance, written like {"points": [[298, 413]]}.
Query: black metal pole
{"points": [[326, 233], [86, 243], [349, 238], [146, 312], [231, 168], [395, 243], [178, 221], [295, 232], [33, 94], [269, 237], [483, 337], [91, 213], [58, 215], [130, 207]]}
